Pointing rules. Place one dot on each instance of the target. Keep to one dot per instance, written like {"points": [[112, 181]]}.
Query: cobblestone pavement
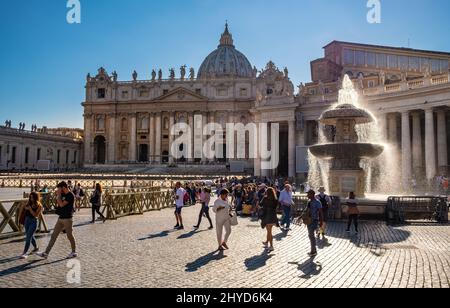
{"points": [[144, 251]]}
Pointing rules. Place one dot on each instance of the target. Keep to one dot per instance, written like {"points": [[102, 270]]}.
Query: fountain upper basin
{"points": [[346, 111], [346, 150]]}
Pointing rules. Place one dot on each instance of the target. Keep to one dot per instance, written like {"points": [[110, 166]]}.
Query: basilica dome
{"points": [[226, 61]]}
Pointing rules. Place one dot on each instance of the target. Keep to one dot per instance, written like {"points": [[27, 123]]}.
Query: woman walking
{"points": [[352, 212], [222, 209], [269, 216], [96, 201], [33, 210], [205, 197]]}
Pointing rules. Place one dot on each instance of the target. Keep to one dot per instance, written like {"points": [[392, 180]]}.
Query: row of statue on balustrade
{"points": [[34, 127], [159, 74]]}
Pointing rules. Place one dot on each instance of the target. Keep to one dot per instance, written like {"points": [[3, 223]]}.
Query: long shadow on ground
{"points": [[204, 260]]}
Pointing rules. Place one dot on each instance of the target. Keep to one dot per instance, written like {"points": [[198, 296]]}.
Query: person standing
{"points": [[315, 217], [179, 203], [269, 216], [33, 210], [205, 197], [353, 212], [325, 200], [64, 209], [222, 209], [286, 204], [96, 202]]}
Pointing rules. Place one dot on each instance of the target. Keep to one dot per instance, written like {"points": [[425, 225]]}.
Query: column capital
{"points": [[132, 114]]}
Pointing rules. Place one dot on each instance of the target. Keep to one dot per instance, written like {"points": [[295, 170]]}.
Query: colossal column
{"points": [[152, 137], [133, 145], [430, 152], [417, 157], [88, 151], [157, 157], [442, 141], [291, 149], [112, 138], [406, 150], [171, 137]]}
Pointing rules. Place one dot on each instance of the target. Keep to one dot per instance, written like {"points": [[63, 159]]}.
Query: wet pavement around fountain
{"points": [[144, 251]]}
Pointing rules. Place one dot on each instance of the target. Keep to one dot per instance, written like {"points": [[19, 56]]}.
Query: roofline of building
{"points": [[390, 47]]}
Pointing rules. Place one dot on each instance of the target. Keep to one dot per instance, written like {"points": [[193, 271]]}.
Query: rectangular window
{"points": [[222, 92], [243, 92], [414, 63], [392, 61], [371, 59], [198, 91], [1, 154], [165, 92], [444, 66], [143, 93], [435, 65], [371, 84], [67, 157], [13, 155], [349, 57], [101, 93], [38, 154], [125, 94], [75, 157], [58, 156], [27, 155], [381, 60], [424, 64], [360, 58], [403, 61]]}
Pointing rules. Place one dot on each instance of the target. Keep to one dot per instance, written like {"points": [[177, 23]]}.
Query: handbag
{"points": [[234, 219]]}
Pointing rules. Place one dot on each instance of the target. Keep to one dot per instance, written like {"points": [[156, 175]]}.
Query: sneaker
{"points": [[270, 249], [181, 227], [34, 251], [265, 244], [72, 255], [43, 255], [210, 228], [24, 257], [176, 226], [312, 254]]}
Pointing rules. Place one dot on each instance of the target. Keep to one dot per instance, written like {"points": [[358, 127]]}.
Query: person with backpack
{"points": [[313, 218], [325, 200]]}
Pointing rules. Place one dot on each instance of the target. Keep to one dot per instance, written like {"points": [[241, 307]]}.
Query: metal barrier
{"points": [[136, 203], [87, 183], [48, 199], [401, 209], [11, 218]]}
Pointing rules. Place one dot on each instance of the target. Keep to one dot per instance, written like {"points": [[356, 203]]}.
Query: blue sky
{"points": [[44, 60]]}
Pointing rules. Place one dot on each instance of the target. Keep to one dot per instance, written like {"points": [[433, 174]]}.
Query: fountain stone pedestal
{"points": [[344, 181]]}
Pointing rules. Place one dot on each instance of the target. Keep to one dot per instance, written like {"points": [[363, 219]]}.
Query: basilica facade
{"points": [[128, 122]]}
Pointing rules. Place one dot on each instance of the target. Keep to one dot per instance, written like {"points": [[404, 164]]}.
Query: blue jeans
{"points": [[30, 230], [286, 216], [311, 230]]}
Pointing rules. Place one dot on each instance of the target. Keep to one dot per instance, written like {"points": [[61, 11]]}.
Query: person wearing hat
{"points": [[325, 200], [222, 209]]}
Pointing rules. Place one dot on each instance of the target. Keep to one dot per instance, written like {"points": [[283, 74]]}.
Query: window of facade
{"points": [[166, 123], [100, 123], [165, 92], [75, 157], [125, 94], [13, 155], [360, 57], [67, 157], [124, 124], [222, 92], [198, 91], [371, 84], [101, 93], [243, 92], [381, 60], [269, 91], [27, 155], [58, 156], [1, 149], [393, 61], [349, 57], [143, 93], [38, 154]]}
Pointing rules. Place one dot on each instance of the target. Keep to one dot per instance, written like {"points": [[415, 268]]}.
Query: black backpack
{"points": [[324, 202]]}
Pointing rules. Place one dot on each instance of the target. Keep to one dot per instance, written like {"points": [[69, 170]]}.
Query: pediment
{"points": [[181, 95]]}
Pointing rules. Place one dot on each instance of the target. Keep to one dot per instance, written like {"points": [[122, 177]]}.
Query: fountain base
{"points": [[344, 181]]}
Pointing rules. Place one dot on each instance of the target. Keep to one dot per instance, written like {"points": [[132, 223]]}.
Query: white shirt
{"points": [[180, 194], [222, 214]]}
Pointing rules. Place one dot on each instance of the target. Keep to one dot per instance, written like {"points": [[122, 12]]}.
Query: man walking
{"points": [[179, 203], [286, 204], [315, 220], [64, 209], [325, 200]]}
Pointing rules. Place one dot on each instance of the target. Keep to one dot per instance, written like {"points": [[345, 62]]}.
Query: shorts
{"points": [[178, 210]]}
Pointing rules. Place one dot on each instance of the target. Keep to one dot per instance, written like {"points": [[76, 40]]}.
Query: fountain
{"points": [[344, 149]]}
